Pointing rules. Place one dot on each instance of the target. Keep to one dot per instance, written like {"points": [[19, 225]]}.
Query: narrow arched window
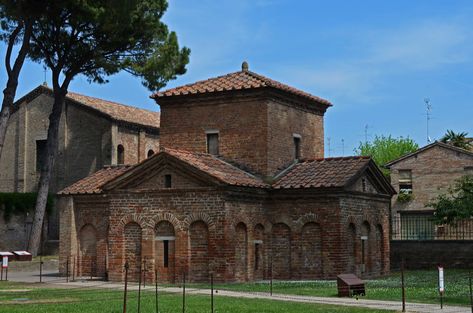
{"points": [[150, 153], [120, 155]]}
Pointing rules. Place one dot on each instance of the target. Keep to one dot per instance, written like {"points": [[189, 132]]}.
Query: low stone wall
{"points": [[14, 232], [426, 254]]}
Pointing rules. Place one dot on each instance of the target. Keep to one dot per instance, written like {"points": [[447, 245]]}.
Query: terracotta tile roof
{"points": [[117, 111], [241, 80], [113, 110], [425, 148], [217, 168], [93, 183], [321, 173]]}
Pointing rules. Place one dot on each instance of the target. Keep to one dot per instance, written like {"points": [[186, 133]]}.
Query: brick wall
{"points": [[428, 254], [365, 216], [179, 180], [85, 145], [254, 130], [283, 122], [433, 171], [296, 235]]}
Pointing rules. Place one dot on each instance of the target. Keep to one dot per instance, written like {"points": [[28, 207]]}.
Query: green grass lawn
{"points": [[421, 286], [84, 300]]}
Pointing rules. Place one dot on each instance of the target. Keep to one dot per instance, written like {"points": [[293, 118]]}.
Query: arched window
{"points": [[150, 153], [120, 155]]}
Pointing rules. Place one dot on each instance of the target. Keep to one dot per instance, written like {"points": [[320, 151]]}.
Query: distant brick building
{"points": [[423, 175], [93, 133], [419, 177], [239, 188]]}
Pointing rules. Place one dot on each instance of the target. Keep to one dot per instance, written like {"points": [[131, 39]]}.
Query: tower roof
{"points": [[241, 80]]}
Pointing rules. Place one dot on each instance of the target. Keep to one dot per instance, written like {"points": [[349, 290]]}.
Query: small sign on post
{"points": [[441, 285], [5, 266]]}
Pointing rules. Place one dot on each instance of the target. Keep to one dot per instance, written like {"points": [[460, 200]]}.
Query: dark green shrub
{"points": [[16, 203]]}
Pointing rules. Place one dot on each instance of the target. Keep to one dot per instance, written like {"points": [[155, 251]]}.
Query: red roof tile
{"points": [[113, 110], [117, 111], [93, 183], [321, 173], [241, 80], [217, 168]]}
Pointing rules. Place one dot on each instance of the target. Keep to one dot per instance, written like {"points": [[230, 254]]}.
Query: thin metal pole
{"points": [[91, 266], [156, 286], [139, 291], [126, 286], [74, 269], [271, 275], [211, 293], [184, 292], [144, 273], [403, 287], [471, 292]]}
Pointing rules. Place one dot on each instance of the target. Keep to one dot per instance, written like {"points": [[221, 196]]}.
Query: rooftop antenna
{"points": [[366, 133], [343, 147], [45, 83], [328, 146], [428, 107]]}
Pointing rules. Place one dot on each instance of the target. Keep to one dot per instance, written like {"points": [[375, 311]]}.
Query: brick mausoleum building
{"points": [[92, 133], [240, 180]]}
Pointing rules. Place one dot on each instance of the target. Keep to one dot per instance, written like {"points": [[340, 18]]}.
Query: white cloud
{"points": [[422, 45], [413, 48]]}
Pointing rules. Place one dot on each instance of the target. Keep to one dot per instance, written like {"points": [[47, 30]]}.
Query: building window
{"points": [[212, 143], [41, 146], [120, 155], [297, 147], [405, 181], [167, 181], [166, 253], [150, 153]]}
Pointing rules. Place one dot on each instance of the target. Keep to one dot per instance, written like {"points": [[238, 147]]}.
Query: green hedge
{"points": [[16, 203]]}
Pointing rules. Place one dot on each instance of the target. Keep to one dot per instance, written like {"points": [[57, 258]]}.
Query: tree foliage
{"points": [[100, 38], [17, 18], [97, 39], [385, 149], [459, 140], [456, 204]]}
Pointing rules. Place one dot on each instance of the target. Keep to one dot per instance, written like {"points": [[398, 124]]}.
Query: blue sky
{"points": [[375, 61]]}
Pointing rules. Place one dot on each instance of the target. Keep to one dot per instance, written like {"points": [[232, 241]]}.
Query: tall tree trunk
{"points": [[13, 73], [46, 170]]}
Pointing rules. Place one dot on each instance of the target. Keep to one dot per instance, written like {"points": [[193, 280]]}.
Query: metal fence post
{"points": [[271, 275], [403, 290], [139, 290], [471, 292], [156, 287], [126, 286], [211, 292], [144, 273], [183, 292]]}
